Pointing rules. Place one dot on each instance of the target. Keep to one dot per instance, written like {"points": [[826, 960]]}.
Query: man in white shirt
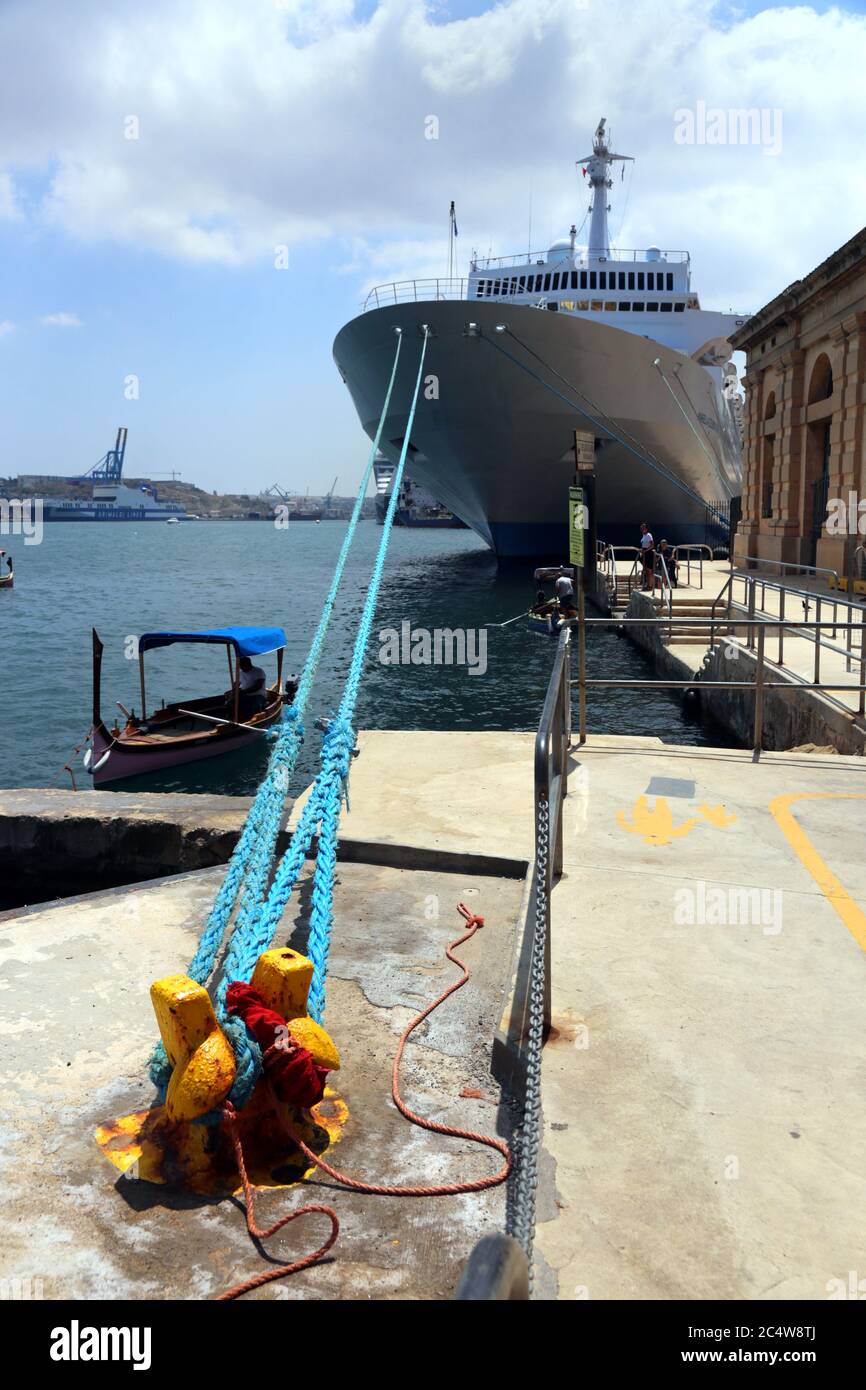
{"points": [[647, 555], [564, 590], [252, 686]]}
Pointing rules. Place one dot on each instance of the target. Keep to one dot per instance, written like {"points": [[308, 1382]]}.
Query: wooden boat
{"points": [[189, 730]]}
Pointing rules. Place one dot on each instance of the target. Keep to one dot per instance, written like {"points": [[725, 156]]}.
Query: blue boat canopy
{"points": [[247, 641]]}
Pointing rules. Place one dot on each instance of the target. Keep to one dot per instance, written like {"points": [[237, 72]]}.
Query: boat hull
{"points": [[135, 760], [496, 445]]}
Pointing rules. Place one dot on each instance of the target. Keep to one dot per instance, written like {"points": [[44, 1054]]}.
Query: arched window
{"points": [[821, 380]]}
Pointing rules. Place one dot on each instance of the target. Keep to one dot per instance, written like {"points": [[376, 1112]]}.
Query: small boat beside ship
{"points": [[187, 731]]}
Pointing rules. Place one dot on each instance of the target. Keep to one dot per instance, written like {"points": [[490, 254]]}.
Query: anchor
{"points": [[173, 1143]]}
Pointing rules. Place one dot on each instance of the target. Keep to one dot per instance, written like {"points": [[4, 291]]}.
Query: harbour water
{"points": [[126, 579]]}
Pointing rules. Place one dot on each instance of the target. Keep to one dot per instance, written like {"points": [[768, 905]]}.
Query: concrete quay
{"points": [[703, 1119]]}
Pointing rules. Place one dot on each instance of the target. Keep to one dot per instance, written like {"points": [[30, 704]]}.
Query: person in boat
{"points": [[647, 555], [252, 680], [542, 606], [671, 563], [565, 596]]}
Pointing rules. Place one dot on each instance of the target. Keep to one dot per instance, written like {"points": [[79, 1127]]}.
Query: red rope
{"points": [[373, 1189]]}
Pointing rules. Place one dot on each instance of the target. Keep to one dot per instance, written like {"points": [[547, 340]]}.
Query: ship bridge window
{"points": [[640, 279], [631, 279], [652, 308], [622, 279], [670, 279], [650, 280], [678, 308], [555, 284], [624, 306], [547, 281], [602, 280], [666, 308], [521, 285], [583, 279], [592, 279], [574, 279], [637, 307]]}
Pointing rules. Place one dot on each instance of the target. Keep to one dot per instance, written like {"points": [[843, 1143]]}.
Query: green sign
{"points": [[576, 526]]}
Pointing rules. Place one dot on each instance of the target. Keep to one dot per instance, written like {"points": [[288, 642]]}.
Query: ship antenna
{"points": [[597, 167]]}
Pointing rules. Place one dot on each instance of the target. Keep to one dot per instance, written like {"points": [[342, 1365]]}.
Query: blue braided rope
{"points": [[250, 863], [321, 810]]}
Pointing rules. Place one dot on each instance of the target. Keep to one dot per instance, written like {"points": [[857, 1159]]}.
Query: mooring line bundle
{"points": [[258, 914]]}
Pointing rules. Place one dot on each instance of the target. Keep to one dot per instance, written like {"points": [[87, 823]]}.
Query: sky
{"points": [[153, 158]]}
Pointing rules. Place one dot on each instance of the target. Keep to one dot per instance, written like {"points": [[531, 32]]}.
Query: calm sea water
{"points": [[124, 579]]}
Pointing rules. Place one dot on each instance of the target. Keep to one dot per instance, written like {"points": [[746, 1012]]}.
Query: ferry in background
{"points": [[529, 349], [415, 506], [111, 499]]}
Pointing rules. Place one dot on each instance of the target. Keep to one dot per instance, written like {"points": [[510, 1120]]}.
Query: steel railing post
{"points": [[862, 706], [581, 663], [759, 695], [817, 640], [781, 629], [750, 611]]}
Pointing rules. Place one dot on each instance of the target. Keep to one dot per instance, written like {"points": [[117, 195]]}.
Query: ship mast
{"points": [[597, 165]]}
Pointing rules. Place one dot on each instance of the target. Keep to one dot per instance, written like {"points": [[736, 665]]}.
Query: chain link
{"points": [[522, 1221]]}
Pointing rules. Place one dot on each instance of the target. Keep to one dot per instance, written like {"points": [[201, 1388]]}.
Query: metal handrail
{"points": [[783, 564], [809, 596], [690, 547], [581, 257], [412, 291], [758, 685], [497, 1271]]}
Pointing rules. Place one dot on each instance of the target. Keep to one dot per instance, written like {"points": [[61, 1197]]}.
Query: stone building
{"points": [[804, 455]]}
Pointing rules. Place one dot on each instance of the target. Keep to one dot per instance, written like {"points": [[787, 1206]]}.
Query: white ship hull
{"points": [[497, 447]]}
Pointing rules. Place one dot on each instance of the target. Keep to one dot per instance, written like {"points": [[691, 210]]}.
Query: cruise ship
{"points": [[111, 499], [526, 351]]}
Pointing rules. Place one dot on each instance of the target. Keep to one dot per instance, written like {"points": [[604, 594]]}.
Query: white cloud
{"points": [[61, 320], [285, 122], [9, 210], [6, 326]]}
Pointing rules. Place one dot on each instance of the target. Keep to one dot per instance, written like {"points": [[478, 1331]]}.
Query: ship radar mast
{"points": [[596, 166]]}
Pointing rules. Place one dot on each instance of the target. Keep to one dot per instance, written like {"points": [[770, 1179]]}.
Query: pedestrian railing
{"points": [[761, 627], [754, 604]]}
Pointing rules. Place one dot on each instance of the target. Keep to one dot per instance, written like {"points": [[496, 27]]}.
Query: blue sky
{"points": [[300, 123]]}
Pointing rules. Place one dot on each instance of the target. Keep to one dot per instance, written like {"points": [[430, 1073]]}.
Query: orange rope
{"points": [[374, 1189]]}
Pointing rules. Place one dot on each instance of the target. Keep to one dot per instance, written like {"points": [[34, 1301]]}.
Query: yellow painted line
{"points": [[838, 897]]}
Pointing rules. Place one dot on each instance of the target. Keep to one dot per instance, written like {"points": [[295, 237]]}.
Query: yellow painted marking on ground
{"points": [[656, 824], [838, 897]]}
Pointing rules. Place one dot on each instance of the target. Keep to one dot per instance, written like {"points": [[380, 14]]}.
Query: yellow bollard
{"points": [[162, 1145], [200, 1054], [283, 979]]}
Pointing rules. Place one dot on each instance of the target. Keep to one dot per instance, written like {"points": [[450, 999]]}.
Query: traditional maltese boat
{"points": [[194, 729]]}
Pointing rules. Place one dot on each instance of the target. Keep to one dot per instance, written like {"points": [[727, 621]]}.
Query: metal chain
{"points": [[522, 1221]]}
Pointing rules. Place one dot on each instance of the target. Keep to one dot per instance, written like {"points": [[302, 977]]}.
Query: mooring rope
{"points": [[322, 813], [454, 1189], [250, 863]]}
